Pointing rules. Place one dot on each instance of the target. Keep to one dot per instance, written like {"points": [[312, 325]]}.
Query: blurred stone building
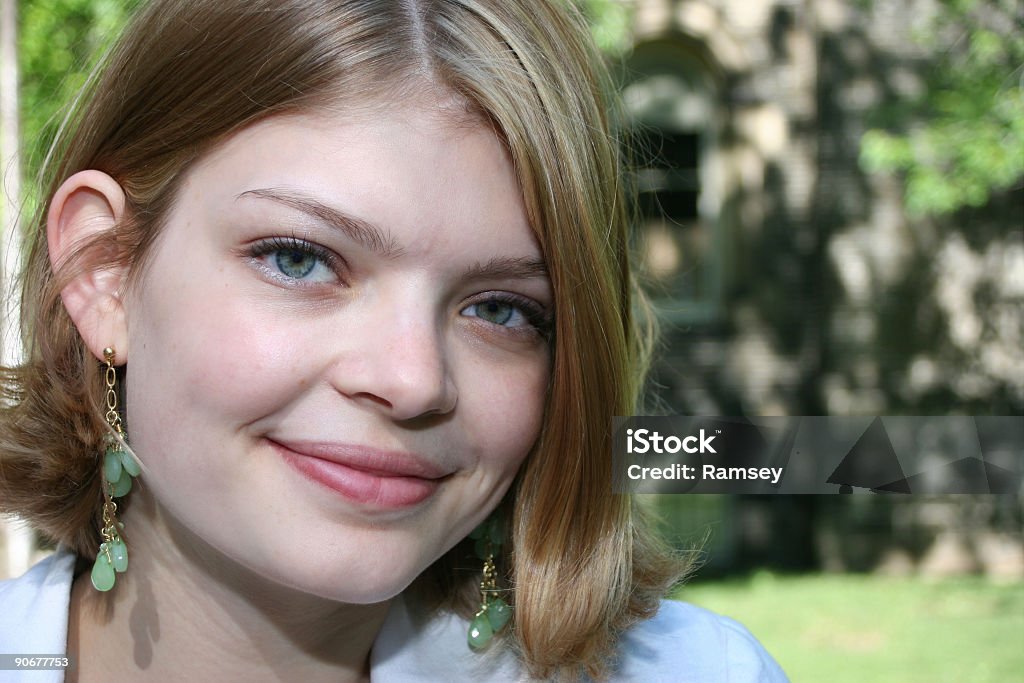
{"points": [[790, 282]]}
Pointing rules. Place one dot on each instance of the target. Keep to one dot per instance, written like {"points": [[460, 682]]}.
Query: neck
{"points": [[183, 611]]}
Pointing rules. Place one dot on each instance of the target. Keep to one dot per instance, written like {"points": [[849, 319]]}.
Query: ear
{"points": [[88, 204]]}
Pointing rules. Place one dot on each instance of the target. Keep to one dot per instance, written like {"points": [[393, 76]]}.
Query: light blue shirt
{"points": [[682, 643]]}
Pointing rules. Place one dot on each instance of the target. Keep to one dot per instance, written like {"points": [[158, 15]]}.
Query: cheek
{"points": [[505, 409], [202, 362]]}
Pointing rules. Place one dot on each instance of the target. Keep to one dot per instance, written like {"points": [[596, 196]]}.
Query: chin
{"points": [[363, 579]]}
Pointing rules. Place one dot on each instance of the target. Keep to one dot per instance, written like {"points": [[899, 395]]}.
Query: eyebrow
{"points": [[368, 235], [508, 267], [379, 241]]}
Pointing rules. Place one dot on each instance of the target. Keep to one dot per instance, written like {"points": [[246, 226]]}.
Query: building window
{"points": [[670, 99]]}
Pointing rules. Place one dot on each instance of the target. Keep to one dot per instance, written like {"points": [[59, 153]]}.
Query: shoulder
{"points": [[683, 642], [34, 607]]}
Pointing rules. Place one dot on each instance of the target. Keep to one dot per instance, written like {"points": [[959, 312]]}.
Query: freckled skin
{"points": [[380, 351]]}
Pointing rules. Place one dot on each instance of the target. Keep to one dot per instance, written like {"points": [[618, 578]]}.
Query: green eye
{"points": [[295, 263], [497, 312], [509, 311], [297, 260]]}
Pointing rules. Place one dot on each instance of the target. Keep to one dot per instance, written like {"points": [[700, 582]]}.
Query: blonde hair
{"points": [[189, 73]]}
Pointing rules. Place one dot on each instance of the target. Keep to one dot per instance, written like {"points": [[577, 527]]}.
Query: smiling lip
{"points": [[385, 479]]}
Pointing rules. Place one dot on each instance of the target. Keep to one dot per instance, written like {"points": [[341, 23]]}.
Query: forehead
{"points": [[434, 173]]}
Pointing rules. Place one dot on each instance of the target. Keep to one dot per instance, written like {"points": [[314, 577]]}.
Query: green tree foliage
{"points": [[58, 43], [964, 138], [609, 23]]}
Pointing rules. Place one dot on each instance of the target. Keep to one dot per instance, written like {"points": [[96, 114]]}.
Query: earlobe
{"points": [[87, 205]]}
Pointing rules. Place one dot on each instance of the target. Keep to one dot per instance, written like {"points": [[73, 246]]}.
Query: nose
{"points": [[398, 363]]}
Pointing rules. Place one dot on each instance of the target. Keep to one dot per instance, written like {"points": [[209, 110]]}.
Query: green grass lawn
{"points": [[839, 628]]}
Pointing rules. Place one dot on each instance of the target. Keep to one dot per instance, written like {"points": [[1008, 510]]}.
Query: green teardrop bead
{"points": [[480, 548], [123, 485], [112, 465], [102, 572], [498, 614], [119, 552], [480, 632], [479, 532], [131, 465], [496, 532]]}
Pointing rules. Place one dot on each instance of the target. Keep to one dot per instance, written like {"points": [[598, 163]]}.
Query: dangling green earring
{"points": [[118, 468], [494, 612]]}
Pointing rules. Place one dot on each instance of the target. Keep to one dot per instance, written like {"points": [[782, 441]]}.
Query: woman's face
{"points": [[337, 359]]}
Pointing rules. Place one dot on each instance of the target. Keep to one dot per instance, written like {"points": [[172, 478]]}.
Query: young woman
{"points": [[342, 287]]}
